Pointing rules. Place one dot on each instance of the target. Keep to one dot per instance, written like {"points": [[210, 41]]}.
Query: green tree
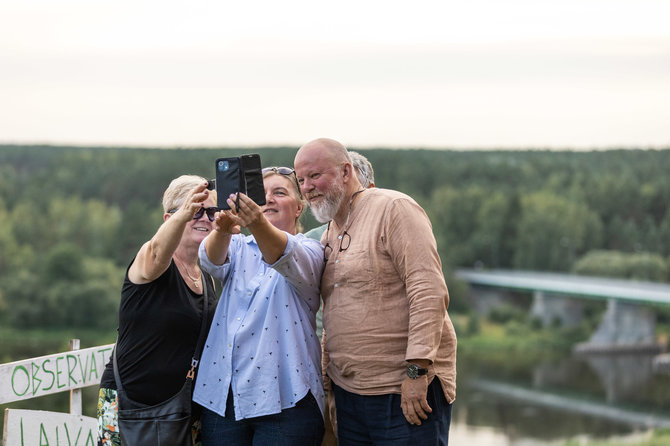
{"points": [[664, 235], [63, 263], [138, 224], [454, 214], [66, 289], [553, 232], [474, 225], [494, 235]]}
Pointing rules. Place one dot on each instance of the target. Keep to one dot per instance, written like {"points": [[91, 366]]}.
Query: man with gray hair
{"points": [[364, 170], [389, 344], [366, 176]]}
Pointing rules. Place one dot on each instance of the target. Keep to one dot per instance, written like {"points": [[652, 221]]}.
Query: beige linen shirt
{"points": [[385, 298]]}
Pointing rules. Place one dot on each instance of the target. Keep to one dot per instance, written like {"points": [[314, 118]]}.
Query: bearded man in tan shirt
{"points": [[390, 347]]}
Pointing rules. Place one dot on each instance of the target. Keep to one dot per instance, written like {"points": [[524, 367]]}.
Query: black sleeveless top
{"points": [[159, 323]]}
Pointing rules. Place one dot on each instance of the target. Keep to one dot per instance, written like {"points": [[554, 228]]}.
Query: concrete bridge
{"points": [[628, 324]]}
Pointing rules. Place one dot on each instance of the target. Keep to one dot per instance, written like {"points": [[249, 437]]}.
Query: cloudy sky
{"points": [[439, 73]]}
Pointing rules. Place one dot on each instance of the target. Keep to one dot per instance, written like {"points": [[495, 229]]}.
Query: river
{"points": [[599, 396]]}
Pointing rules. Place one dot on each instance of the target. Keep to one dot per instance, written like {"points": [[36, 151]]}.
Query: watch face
{"points": [[413, 371]]}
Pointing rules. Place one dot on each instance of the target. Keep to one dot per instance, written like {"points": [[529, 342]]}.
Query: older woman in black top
{"points": [[161, 305]]}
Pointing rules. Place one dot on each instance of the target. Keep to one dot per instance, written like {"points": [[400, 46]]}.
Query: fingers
{"points": [[426, 408], [412, 415], [247, 213], [415, 411], [233, 201], [194, 200], [245, 204], [409, 415], [420, 409], [199, 193], [413, 401], [224, 221]]}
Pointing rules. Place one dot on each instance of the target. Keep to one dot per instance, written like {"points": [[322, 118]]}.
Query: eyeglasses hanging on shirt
{"points": [[345, 241], [345, 238]]}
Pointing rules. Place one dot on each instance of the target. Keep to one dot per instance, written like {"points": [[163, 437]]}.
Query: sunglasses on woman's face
{"points": [[211, 212]]}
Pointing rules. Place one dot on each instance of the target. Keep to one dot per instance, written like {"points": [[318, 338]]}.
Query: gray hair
{"points": [[176, 192], [365, 173]]}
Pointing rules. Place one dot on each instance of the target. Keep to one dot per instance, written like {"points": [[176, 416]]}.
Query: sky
{"points": [[568, 74]]}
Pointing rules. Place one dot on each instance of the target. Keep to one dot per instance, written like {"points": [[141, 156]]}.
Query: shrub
{"points": [[506, 313], [639, 266]]}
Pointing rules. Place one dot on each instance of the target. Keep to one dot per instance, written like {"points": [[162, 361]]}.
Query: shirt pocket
{"points": [[352, 285]]}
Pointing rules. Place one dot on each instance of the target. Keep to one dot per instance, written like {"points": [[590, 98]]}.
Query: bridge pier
{"points": [[549, 309], [621, 375], [483, 299], [661, 364], [624, 328]]}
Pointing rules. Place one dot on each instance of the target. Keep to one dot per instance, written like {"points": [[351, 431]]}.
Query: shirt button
{"points": [[260, 274], [238, 318], [230, 345], [249, 293]]}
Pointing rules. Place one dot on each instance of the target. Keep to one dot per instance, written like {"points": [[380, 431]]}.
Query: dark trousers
{"points": [[378, 419], [295, 426]]}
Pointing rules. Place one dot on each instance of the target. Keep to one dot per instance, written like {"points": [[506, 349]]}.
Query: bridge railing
{"points": [[59, 372]]}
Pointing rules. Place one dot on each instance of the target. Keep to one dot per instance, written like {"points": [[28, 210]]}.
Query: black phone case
{"points": [[253, 178], [228, 180]]}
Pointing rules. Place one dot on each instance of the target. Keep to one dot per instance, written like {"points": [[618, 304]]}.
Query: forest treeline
{"points": [[71, 218]]}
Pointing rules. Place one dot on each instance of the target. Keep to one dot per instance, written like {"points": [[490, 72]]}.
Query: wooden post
{"points": [[75, 394]]}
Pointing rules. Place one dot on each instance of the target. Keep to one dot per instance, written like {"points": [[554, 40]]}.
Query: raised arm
{"points": [[271, 241], [217, 243], [154, 256]]}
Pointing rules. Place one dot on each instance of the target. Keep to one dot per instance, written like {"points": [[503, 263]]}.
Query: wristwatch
{"points": [[414, 371]]}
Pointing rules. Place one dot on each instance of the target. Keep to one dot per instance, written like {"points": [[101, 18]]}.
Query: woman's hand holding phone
{"points": [[248, 212], [224, 224]]}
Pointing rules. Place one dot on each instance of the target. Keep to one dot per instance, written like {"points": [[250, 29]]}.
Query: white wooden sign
{"points": [[40, 428], [55, 373]]}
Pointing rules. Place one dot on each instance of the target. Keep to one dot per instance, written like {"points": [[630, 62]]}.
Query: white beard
{"points": [[325, 210]]}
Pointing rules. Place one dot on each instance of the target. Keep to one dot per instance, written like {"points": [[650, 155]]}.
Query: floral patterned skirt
{"points": [[108, 420]]}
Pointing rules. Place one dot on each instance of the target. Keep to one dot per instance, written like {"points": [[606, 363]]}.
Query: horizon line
{"points": [[594, 148]]}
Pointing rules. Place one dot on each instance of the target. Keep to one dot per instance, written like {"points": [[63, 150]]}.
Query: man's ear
{"points": [[347, 171]]}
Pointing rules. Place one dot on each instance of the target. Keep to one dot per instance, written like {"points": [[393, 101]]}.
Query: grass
{"points": [[524, 341]]}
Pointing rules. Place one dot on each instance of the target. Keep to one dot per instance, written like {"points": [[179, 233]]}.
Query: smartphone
{"points": [[253, 178], [228, 180]]}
